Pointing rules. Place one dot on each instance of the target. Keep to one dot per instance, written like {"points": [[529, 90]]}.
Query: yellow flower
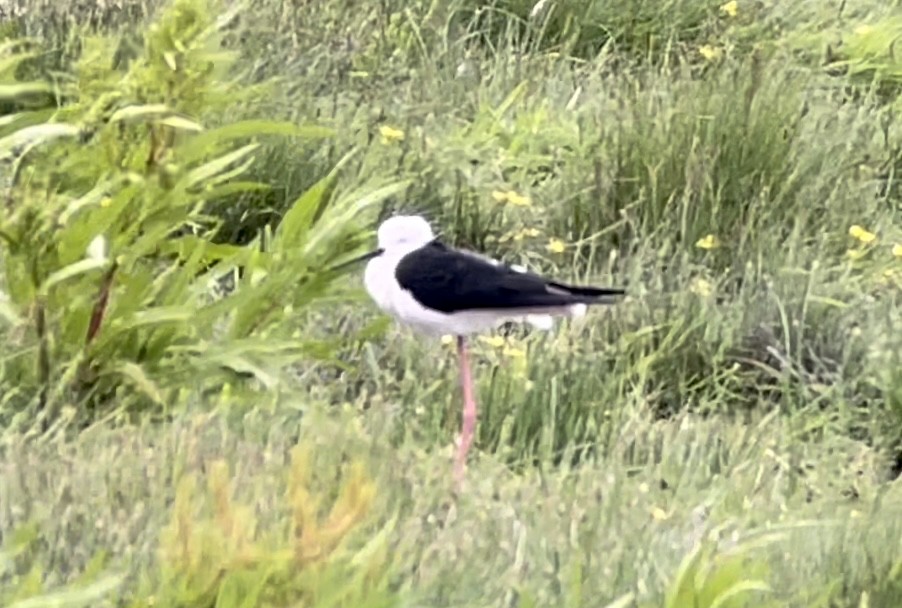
{"points": [[730, 9], [709, 52], [897, 250], [518, 200], [519, 235], [701, 287], [888, 276], [493, 341], [556, 246], [659, 514], [856, 254], [447, 339], [861, 234], [864, 29], [709, 242], [514, 353], [390, 134], [511, 197]]}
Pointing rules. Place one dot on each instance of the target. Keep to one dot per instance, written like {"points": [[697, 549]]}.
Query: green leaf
{"points": [[85, 218], [299, 217], [21, 120], [199, 146], [154, 316], [16, 92], [737, 589], [136, 113], [91, 198], [681, 589], [329, 231], [211, 193], [157, 113], [242, 364], [10, 63], [72, 270], [208, 170], [7, 312], [180, 122], [185, 246], [35, 135]]}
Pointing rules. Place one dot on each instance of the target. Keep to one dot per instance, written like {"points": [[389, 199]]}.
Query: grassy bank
{"points": [[729, 435]]}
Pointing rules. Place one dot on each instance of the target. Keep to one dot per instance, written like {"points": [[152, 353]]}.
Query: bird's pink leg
{"points": [[469, 418]]}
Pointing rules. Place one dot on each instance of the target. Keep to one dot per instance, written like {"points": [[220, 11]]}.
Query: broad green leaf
{"points": [[7, 312], [15, 92], [737, 589], [681, 590], [142, 112], [208, 170], [211, 193], [185, 246], [180, 122], [18, 286], [93, 197], [154, 316], [89, 218], [72, 270], [241, 364], [174, 284], [35, 135], [345, 215], [199, 146], [302, 213], [226, 176], [299, 217], [10, 63], [25, 119]]}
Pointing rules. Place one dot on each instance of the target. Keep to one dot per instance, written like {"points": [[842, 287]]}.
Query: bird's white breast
{"points": [[379, 280]]}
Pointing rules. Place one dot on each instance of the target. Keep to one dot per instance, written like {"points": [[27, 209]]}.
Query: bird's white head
{"points": [[404, 233]]}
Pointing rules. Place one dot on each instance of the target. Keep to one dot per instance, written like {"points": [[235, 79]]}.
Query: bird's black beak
{"points": [[358, 259]]}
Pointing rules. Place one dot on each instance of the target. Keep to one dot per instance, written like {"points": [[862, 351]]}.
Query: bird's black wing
{"points": [[450, 280]]}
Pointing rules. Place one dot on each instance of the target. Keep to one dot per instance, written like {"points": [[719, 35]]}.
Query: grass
{"points": [[729, 435]]}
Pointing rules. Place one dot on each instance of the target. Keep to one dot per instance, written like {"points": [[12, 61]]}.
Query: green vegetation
{"points": [[730, 435]]}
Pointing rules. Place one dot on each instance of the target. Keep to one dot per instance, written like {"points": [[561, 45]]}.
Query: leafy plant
{"points": [[225, 560], [714, 577], [108, 248]]}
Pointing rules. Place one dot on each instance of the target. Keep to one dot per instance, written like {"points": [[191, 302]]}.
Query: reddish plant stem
{"points": [[100, 306]]}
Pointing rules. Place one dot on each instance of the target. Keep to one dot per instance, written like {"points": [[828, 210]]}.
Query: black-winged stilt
{"points": [[438, 290]]}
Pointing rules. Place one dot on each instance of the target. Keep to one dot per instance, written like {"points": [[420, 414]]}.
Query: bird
{"points": [[438, 290]]}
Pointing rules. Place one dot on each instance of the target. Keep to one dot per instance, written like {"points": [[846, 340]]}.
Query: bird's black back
{"points": [[450, 280]]}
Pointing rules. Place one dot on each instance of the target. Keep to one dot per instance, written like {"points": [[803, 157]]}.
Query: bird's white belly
{"points": [[432, 322]]}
